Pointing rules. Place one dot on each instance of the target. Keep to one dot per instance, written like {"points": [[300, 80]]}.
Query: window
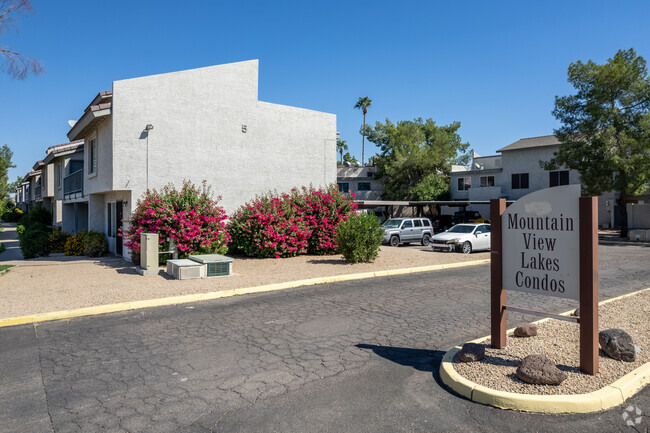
{"points": [[557, 178], [92, 156], [57, 174], [426, 223], [520, 181], [487, 181], [344, 186], [418, 223], [364, 186], [464, 183], [408, 225]]}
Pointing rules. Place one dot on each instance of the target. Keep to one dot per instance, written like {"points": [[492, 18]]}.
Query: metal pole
{"points": [[588, 207], [497, 294]]}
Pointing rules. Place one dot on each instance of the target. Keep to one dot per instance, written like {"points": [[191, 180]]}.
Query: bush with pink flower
{"points": [[285, 225], [191, 217]]}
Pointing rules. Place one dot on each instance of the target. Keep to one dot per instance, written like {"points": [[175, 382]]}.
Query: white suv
{"points": [[406, 230]]}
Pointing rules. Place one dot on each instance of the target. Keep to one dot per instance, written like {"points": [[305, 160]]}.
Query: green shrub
{"points": [[94, 244], [74, 245], [34, 241], [2, 248], [12, 215], [38, 214], [359, 238], [57, 240], [20, 229]]}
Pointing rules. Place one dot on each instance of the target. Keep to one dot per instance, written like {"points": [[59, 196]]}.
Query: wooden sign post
{"points": [[546, 243]]}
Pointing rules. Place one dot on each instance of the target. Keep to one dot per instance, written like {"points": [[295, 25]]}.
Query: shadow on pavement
{"points": [[420, 359]]}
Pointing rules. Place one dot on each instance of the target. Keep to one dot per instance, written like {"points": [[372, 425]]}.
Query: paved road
{"points": [[360, 356]]}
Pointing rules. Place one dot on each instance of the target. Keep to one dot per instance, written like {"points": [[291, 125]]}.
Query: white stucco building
{"points": [[360, 181], [517, 172], [201, 124]]}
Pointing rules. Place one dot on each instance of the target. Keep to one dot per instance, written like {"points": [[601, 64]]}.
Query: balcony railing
{"points": [[37, 193], [73, 183]]}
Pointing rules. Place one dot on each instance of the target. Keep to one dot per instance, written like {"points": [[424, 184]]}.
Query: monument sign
{"points": [[546, 243], [541, 243]]}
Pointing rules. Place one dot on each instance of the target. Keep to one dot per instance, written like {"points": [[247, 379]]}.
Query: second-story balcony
{"points": [[73, 185]]}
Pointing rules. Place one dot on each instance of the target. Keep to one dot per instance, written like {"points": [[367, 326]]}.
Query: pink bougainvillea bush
{"points": [[191, 217], [285, 225], [323, 210]]}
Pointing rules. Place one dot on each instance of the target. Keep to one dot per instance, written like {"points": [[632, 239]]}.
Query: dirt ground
{"points": [[63, 283]]}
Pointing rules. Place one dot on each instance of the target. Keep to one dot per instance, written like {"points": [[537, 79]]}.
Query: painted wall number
{"points": [[243, 129]]}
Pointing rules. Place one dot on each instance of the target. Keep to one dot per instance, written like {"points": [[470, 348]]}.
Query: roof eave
{"points": [[87, 123]]}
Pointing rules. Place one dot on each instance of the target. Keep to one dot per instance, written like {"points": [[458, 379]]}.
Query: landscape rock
{"points": [[617, 344], [527, 330], [538, 369], [471, 352]]}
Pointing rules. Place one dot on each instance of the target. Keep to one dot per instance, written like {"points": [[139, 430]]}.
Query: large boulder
{"points": [[539, 369], [527, 330], [617, 344], [471, 352]]}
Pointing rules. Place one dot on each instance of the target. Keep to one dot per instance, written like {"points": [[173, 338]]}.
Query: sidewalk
{"points": [[9, 238]]}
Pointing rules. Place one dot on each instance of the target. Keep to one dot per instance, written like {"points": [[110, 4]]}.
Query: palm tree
{"points": [[363, 104], [341, 146]]}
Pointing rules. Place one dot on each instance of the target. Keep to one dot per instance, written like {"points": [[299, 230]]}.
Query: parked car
{"points": [[406, 230], [463, 237], [468, 216], [442, 222]]}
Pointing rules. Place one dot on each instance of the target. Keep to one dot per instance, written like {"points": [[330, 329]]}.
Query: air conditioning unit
{"points": [[217, 265], [185, 269]]}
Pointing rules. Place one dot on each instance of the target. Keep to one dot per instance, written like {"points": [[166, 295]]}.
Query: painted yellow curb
{"points": [[184, 299], [602, 399]]}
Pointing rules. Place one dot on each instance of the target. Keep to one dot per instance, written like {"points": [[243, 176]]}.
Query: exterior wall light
{"points": [[149, 127]]}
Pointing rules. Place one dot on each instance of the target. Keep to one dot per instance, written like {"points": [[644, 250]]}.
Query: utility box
{"points": [[148, 254], [185, 269], [639, 235], [216, 264]]}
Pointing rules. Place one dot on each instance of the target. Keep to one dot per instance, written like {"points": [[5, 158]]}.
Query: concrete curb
{"points": [[610, 396], [184, 299]]}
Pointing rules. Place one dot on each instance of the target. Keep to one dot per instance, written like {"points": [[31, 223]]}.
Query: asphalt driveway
{"points": [[358, 356]]}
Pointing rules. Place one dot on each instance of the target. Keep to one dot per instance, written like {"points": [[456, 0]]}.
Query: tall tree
{"points": [[350, 160], [605, 132], [341, 146], [5, 164], [416, 157], [16, 64], [363, 104]]}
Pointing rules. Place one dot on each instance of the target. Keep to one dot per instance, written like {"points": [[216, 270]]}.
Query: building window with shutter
{"points": [[92, 156]]}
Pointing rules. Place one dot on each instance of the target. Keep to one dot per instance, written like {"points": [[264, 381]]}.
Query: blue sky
{"points": [[494, 66]]}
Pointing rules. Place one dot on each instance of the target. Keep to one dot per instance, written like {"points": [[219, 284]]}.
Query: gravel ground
{"points": [[559, 340], [62, 283]]}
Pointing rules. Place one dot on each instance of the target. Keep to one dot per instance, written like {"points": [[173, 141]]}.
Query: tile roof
{"points": [[100, 106], [64, 146], [526, 143]]}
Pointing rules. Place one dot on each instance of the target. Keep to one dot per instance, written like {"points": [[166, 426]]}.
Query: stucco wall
{"points": [[527, 161], [102, 180], [198, 116]]}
